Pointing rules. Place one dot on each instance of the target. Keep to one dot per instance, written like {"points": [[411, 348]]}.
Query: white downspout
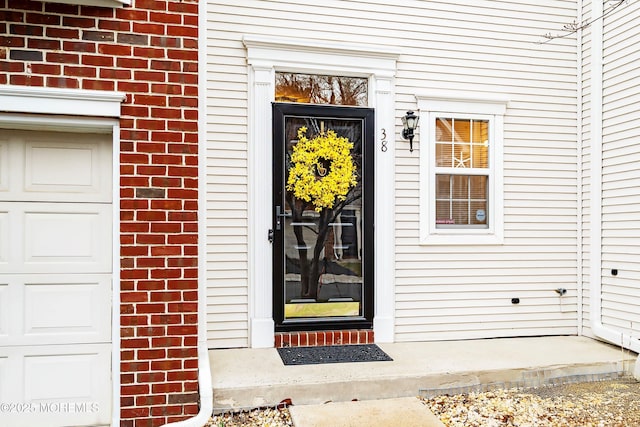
{"points": [[599, 330], [204, 369]]}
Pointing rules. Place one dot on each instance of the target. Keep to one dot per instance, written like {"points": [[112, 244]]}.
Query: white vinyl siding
{"points": [[448, 292], [226, 170], [620, 179], [486, 47]]}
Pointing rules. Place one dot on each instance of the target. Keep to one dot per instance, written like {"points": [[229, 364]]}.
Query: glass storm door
{"points": [[322, 216]]}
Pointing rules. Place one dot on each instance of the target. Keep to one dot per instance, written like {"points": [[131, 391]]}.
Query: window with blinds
{"points": [[461, 168], [462, 172]]}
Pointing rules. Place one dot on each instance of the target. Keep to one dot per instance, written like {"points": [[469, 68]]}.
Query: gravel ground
{"points": [[266, 417], [611, 403]]}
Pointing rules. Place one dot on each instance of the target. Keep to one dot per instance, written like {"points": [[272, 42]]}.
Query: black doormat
{"points": [[332, 354]]}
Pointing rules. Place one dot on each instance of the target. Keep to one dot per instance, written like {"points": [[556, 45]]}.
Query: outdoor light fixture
{"points": [[410, 123]]}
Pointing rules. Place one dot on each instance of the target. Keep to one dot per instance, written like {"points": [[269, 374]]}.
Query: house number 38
{"points": [[383, 141]]}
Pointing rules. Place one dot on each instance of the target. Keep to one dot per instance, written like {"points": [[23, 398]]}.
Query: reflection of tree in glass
{"points": [[310, 263], [316, 89]]}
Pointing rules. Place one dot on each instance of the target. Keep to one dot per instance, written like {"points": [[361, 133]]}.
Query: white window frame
{"points": [[461, 106]]}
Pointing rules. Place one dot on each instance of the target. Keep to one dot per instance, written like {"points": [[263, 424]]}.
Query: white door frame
{"points": [[37, 108], [265, 56]]}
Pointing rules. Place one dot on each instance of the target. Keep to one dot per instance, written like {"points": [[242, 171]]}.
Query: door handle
{"points": [[280, 214]]}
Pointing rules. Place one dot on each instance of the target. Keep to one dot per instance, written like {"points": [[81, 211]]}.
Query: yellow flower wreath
{"points": [[322, 169]]}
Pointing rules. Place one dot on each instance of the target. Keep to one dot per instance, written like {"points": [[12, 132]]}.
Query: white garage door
{"points": [[55, 278]]}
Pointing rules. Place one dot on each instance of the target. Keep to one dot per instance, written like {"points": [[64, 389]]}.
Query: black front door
{"points": [[322, 217]]}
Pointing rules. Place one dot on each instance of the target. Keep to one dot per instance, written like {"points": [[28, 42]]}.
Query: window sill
{"points": [[465, 238]]}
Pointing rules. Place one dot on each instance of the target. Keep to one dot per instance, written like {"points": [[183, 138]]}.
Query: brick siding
{"points": [[322, 338], [148, 51]]}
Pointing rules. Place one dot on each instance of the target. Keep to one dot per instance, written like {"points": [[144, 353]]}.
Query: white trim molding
{"points": [[461, 104], [315, 56], [383, 95], [266, 56], [77, 111], [73, 102]]}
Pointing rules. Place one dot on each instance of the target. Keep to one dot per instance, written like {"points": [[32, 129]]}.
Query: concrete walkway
{"points": [[247, 378], [404, 411]]}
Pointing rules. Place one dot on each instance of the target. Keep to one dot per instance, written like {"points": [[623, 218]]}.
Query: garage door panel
{"points": [[58, 377], [55, 309], [57, 237], [56, 382], [55, 166], [67, 168], [67, 310]]}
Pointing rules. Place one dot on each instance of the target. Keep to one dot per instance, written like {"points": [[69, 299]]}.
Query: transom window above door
{"points": [[321, 89]]}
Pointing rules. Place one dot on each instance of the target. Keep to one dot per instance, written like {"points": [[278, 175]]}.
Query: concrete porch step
{"points": [[404, 411], [248, 378]]}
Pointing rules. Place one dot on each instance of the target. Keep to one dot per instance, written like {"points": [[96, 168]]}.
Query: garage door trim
{"points": [[83, 111]]}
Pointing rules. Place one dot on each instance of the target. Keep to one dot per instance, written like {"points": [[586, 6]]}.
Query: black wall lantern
{"points": [[410, 123]]}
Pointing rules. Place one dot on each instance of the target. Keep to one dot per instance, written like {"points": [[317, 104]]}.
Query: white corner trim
{"points": [[73, 102]]}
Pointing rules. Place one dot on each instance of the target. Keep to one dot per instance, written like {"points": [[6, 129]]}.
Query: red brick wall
{"points": [[322, 338], [148, 51]]}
